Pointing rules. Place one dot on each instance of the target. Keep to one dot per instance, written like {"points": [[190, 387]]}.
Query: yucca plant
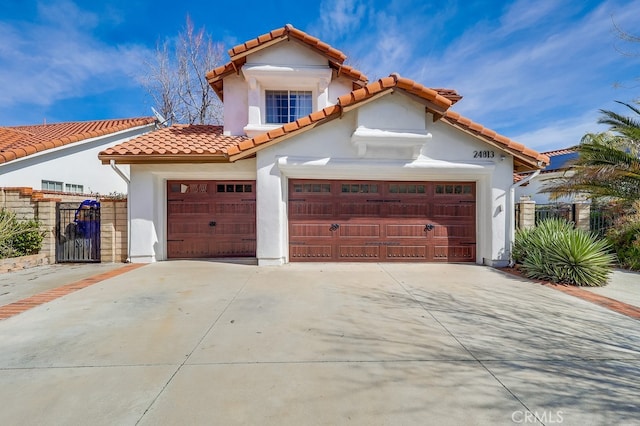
{"points": [[555, 251]]}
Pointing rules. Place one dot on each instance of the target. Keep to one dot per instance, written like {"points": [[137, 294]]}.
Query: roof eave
{"points": [[163, 158], [527, 163]]}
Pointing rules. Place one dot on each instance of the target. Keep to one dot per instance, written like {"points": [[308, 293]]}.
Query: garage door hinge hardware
{"points": [[334, 227], [212, 223], [428, 227]]}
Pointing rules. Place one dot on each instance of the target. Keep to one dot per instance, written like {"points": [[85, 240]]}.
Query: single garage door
{"points": [[332, 220], [211, 219]]}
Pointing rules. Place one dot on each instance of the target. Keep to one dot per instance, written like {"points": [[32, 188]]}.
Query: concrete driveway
{"points": [[188, 342]]}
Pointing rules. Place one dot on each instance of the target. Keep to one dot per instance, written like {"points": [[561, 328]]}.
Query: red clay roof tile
{"points": [[179, 140], [21, 141], [288, 32]]}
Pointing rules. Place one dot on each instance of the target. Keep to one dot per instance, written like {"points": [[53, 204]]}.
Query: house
{"points": [[558, 168], [61, 157], [316, 163]]}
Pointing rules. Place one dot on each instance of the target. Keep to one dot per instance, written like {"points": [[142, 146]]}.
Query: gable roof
{"points": [[233, 148], [239, 53], [22, 141]]}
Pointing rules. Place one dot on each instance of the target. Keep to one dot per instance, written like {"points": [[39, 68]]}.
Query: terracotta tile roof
{"points": [[177, 143], [436, 102], [207, 143], [450, 94], [238, 55], [525, 158], [288, 32], [21, 141], [559, 152]]}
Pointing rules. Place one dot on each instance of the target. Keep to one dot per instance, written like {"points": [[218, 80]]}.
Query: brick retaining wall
{"points": [[27, 204]]}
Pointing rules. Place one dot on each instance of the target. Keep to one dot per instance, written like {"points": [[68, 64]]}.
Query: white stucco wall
{"points": [[76, 163], [328, 153], [288, 66], [148, 201]]}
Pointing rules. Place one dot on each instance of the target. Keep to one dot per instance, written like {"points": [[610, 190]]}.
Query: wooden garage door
{"points": [[211, 219], [382, 221]]}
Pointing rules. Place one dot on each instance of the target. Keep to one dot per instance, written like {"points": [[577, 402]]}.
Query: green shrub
{"points": [[555, 251], [625, 239], [18, 238]]}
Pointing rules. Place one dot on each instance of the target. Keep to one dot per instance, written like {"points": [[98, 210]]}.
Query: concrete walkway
{"points": [[189, 342]]}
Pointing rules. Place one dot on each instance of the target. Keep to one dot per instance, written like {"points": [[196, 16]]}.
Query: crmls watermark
{"points": [[546, 417]]}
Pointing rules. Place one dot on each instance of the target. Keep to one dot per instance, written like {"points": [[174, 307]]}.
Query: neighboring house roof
{"points": [[238, 55], [22, 141], [233, 148], [560, 159]]}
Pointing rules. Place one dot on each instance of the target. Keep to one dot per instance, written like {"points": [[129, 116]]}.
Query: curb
{"points": [[15, 308]]}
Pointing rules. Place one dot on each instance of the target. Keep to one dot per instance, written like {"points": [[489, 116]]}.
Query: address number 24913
{"points": [[484, 154]]}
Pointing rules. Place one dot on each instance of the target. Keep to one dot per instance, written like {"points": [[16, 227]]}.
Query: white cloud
{"points": [[562, 133], [340, 17], [57, 57]]}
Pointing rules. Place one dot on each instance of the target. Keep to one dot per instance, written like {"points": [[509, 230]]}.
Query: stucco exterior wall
{"points": [[328, 153], [75, 163]]}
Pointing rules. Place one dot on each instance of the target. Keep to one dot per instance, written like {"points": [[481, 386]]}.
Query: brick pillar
{"points": [[582, 216], [46, 215], [527, 213], [113, 230]]}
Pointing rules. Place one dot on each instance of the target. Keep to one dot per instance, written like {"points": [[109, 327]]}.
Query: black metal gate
{"points": [[78, 232]]}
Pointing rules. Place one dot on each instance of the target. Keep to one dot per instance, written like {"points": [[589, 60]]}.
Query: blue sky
{"points": [[535, 71]]}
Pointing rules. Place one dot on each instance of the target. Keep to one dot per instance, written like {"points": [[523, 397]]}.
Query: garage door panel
{"points": [[239, 207], [304, 209], [452, 253], [454, 210], [188, 248], [310, 230], [359, 252], [360, 208], [311, 252], [413, 209], [453, 231], [406, 231], [195, 228], [359, 230], [407, 252], [233, 248], [241, 229], [177, 207]]}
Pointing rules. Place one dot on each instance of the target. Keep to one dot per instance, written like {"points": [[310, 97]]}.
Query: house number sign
{"points": [[484, 154]]}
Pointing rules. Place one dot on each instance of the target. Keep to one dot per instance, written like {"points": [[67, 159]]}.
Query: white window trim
{"points": [[314, 102]]}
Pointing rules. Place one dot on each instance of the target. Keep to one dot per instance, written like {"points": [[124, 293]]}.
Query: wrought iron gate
{"points": [[78, 232]]}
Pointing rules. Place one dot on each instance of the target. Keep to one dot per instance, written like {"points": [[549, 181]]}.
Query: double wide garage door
{"points": [[382, 221]]}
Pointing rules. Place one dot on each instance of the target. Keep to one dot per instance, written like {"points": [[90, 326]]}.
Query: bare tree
{"points": [[176, 77]]}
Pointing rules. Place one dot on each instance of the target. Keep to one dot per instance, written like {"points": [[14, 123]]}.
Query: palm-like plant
{"points": [[608, 164]]}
